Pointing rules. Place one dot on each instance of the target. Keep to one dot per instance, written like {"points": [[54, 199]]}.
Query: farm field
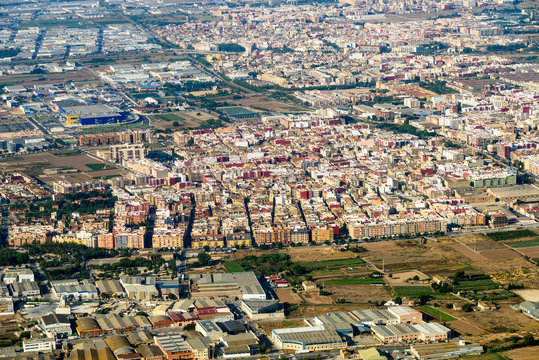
{"points": [[268, 104], [360, 294], [469, 253], [412, 290], [83, 76], [500, 254], [232, 266], [437, 314], [524, 244], [354, 281], [498, 321], [527, 353], [403, 278], [287, 296], [464, 327], [532, 251], [70, 165]]}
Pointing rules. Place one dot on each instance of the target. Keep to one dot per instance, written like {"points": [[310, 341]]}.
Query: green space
{"points": [[483, 284], [354, 281], [510, 235], [488, 356], [437, 314], [5, 53], [335, 264], [412, 291], [170, 117], [66, 152], [96, 166], [231, 47], [438, 87], [524, 244], [232, 266]]}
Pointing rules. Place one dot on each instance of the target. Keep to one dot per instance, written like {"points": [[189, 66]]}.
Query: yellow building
{"points": [[321, 235]]}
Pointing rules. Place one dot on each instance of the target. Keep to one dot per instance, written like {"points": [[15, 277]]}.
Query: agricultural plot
{"points": [[232, 266], [437, 314], [412, 291]]}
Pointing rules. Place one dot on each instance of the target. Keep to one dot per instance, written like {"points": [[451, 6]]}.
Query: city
{"points": [[302, 180]]}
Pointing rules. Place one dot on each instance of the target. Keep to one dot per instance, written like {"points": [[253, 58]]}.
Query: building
{"points": [[444, 350], [406, 314], [56, 325], [203, 348], [174, 347], [92, 115], [263, 309], [39, 345], [239, 345], [73, 288], [244, 285], [25, 289], [309, 338], [530, 308], [114, 324]]}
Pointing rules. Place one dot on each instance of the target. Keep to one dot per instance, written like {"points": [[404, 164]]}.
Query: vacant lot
{"points": [[464, 327], [314, 297], [511, 235], [405, 278], [532, 251], [469, 253], [313, 310], [304, 253], [267, 327], [71, 166], [499, 321], [54, 78], [287, 296], [268, 104], [359, 294], [500, 254], [528, 353]]}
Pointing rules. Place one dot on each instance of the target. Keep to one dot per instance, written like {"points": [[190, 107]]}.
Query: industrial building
{"points": [[244, 285], [92, 115], [308, 338], [444, 350]]}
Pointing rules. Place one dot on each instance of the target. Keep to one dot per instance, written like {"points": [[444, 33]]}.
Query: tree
{"points": [[189, 327], [204, 259], [467, 307]]}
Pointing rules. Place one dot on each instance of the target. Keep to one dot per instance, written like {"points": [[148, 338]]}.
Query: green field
{"points": [[483, 284], [412, 290], [437, 314], [354, 281], [510, 235], [524, 244], [170, 117], [333, 264], [233, 266], [96, 167]]}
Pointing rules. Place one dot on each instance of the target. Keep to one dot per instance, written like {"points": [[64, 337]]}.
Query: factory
{"points": [[92, 115], [308, 338], [244, 285]]}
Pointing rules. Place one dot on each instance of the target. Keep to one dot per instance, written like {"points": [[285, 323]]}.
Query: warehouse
{"points": [[375, 317], [92, 115], [309, 338], [342, 322], [525, 193], [110, 288], [113, 324], [244, 285], [444, 350], [433, 332]]}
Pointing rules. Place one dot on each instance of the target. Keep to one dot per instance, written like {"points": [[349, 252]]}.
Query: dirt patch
{"points": [[402, 278], [303, 254], [287, 296], [31, 79], [499, 321], [268, 104], [314, 297], [528, 353], [469, 253], [362, 294], [304, 311], [500, 254], [532, 251], [529, 295], [267, 327], [464, 327]]}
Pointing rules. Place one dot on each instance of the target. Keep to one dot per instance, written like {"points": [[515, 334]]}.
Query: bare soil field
{"points": [[31, 79], [500, 254], [267, 327], [362, 294], [532, 251], [464, 327], [269, 104], [303, 253], [498, 321], [314, 310], [469, 253], [527, 353], [529, 295], [401, 278], [314, 297], [286, 295], [70, 166], [430, 258]]}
